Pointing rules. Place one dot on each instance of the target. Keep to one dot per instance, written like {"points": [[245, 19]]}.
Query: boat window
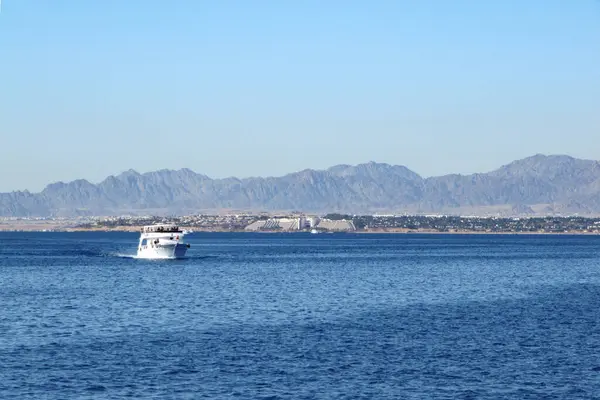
{"points": [[161, 229]]}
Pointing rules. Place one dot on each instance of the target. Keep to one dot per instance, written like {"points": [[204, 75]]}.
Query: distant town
{"points": [[313, 223]]}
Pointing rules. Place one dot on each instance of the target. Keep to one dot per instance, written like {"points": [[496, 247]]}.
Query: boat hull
{"points": [[167, 251]]}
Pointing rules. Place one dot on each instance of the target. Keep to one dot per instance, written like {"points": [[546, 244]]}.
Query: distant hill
{"points": [[537, 185]]}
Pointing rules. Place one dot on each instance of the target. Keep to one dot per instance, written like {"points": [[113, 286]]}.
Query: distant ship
{"points": [[162, 241]]}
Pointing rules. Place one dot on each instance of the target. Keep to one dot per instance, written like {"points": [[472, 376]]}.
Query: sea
{"points": [[300, 316]]}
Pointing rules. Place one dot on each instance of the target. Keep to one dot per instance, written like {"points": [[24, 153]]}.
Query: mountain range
{"points": [[537, 185]]}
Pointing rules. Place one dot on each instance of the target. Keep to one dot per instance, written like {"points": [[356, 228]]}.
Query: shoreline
{"points": [[136, 229]]}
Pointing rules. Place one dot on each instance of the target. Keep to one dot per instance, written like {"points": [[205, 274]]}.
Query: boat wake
{"points": [[137, 257], [123, 255]]}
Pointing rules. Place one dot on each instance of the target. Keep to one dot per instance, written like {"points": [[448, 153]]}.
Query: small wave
{"points": [[90, 253], [96, 388], [201, 257]]}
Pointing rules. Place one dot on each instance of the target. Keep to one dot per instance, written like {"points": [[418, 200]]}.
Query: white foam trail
{"points": [[135, 256], [122, 255]]}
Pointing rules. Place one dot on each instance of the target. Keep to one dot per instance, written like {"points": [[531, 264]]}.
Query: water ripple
{"points": [[286, 317]]}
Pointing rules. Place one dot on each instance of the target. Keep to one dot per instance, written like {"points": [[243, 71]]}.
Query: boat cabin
{"points": [[162, 228]]}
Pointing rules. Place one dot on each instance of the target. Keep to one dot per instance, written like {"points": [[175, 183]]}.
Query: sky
{"points": [[264, 88]]}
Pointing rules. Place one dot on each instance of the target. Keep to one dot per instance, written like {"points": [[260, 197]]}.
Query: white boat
{"points": [[162, 241]]}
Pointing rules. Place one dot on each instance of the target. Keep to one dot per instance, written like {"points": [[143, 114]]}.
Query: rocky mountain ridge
{"points": [[537, 185]]}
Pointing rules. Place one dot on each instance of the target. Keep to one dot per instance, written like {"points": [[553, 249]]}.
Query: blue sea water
{"points": [[300, 316]]}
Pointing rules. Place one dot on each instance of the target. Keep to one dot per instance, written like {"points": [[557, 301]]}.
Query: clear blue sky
{"points": [[246, 88]]}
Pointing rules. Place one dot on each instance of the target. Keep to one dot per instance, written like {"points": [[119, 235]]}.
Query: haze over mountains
{"points": [[537, 185]]}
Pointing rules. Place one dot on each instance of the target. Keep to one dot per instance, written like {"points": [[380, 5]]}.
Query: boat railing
{"points": [[161, 229]]}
